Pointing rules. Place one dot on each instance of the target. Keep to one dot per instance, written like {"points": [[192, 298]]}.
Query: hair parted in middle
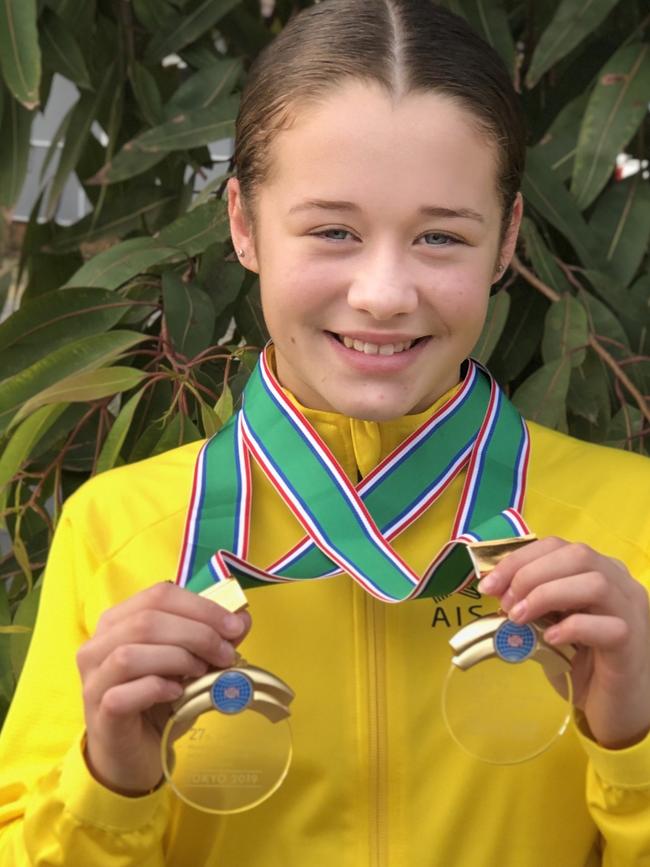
{"points": [[405, 46]]}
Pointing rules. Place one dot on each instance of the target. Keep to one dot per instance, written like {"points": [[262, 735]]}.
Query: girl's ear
{"points": [[240, 228], [510, 238]]}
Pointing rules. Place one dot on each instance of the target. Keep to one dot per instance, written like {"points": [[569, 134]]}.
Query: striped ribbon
{"points": [[349, 528]]}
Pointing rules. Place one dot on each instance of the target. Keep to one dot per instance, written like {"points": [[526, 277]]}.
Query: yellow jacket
{"points": [[376, 781]]}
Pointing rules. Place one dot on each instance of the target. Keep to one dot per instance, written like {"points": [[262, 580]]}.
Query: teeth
{"points": [[375, 348]]}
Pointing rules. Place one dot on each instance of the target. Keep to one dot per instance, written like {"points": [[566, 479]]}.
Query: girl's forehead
{"points": [[360, 142]]}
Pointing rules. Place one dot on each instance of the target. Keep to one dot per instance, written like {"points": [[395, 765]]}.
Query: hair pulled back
{"points": [[406, 46]]}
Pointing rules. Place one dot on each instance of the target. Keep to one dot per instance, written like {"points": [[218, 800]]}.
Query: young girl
{"points": [[379, 155]]}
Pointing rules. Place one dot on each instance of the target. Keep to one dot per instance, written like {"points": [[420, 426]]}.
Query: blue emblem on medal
{"points": [[514, 642], [231, 692]]}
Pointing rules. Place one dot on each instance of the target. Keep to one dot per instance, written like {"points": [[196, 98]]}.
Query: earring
{"points": [[241, 252]]}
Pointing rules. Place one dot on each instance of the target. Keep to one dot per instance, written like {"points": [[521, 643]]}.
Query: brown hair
{"points": [[405, 46]]}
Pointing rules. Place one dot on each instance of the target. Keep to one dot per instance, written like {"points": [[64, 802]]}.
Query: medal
{"points": [[507, 696], [227, 745]]}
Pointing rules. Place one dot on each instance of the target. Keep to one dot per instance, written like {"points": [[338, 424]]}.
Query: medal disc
{"points": [[506, 711], [230, 757]]}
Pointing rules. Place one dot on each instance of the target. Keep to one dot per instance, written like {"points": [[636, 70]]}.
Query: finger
{"points": [[498, 581], [173, 599], [599, 632], [568, 559], [137, 696], [149, 626], [590, 592], [132, 661]]}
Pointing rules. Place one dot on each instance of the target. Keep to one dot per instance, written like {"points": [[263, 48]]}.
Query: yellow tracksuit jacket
{"points": [[376, 781]]}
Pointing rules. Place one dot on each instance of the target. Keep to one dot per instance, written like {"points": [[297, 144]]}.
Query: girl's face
{"points": [[376, 238]]}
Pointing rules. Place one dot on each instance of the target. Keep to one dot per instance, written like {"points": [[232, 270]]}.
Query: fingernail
{"points": [[487, 584], [233, 625], [507, 599], [552, 634], [519, 611], [226, 654]]}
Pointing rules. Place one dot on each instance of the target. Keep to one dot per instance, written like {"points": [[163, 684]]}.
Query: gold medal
{"points": [[507, 695], [227, 745]]}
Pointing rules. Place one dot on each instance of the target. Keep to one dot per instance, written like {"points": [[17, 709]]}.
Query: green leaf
{"points": [[146, 93], [614, 112], [542, 397], [179, 431], [115, 440], [522, 334], [82, 116], [603, 323], [61, 53], [186, 130], [86, 386], [250, 317], [19, 447], [155, 15], [88, 353], [547, 194], [209, 419], [566, 331], [123, 213], [14, 151], [625, 428], [558, 144], [20, 57], [621, 224], [118, 264], [488, 17], [224, 406], [589, 390], [187, 29], [189, 314], [573, 20], [205, 87], [43, 324], [544, 264], [25, 616], [495, 322], [198, 229]]}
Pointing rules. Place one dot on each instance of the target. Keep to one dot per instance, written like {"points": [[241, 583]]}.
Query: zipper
{"points": [[377, 735]]}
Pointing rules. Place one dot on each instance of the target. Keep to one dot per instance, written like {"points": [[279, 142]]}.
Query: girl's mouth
{"points": [[368, 348]]}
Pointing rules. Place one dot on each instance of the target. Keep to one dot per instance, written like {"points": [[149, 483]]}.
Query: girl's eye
{"points": [[438, 239], [334, 234]]}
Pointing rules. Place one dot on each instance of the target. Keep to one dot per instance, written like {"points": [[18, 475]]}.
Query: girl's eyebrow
{"points": [[425, 210]]}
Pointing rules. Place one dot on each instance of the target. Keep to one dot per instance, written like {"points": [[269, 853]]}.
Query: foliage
{"points": [[137, 327]]}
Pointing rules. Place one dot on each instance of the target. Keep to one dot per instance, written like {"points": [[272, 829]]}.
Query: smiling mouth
{"points": [[376, 348]]}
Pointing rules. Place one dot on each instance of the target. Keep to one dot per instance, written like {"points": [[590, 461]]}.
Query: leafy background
{"points": [[133, 330]]}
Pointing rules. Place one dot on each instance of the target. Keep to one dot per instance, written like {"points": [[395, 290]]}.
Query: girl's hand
{"points": [[605, 614], [133, 667]]}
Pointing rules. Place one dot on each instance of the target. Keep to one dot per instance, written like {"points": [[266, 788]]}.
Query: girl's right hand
{"points": [[133, 667]]}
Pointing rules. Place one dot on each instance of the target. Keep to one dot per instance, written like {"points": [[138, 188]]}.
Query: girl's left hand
{"points": [[605, 614]]}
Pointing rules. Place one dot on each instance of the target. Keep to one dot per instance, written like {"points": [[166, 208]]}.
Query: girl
{"points": [[379, 155]]}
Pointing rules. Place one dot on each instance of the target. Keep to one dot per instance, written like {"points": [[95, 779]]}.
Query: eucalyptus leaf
{"points": [[20, 56], [495, 322], [43, 324], [25, 616], [187, 29], [566, 331], [61, 53], [114, 441], [146, 93], [198, 229], [115, 266], [82, 387], [558, 144], [14, 151], [543, 261], [88, 353], [621, 224], [189, 314], [205, 87], [616, 107], [572, 22], [542, 396], [489, 18], [522, 333]]}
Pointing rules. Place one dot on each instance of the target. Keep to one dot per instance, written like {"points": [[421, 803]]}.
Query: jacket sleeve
{"points": [[618, 797], [52, 811]]}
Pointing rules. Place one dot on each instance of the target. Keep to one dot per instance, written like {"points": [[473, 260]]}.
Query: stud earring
{"points": [[241, 252]]}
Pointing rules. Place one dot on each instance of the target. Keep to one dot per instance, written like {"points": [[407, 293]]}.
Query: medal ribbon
{"points": [[349, 527]]}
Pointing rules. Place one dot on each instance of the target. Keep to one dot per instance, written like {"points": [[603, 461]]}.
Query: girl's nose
{"points": [[383, 289]]}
